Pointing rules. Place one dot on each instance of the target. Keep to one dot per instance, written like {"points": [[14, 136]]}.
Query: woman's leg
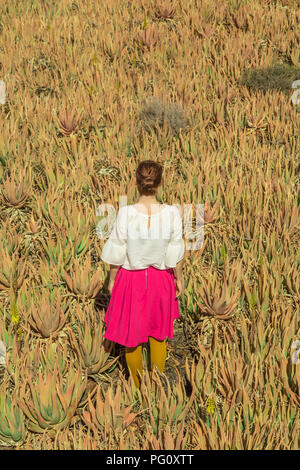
{"points": [[134, 360], [158, 353]]}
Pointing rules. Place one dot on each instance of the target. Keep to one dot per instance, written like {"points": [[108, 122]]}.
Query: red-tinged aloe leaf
{"points": [[60, 394], [69, 281], [42, 422], [90, 416], [86, 416], [35, 399], [71, 385], [168, 440], [45, 389], [56, 412], [77, 387], [129, 417], [28, 411]]}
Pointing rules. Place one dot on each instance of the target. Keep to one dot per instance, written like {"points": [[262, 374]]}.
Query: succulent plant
{"points": [[12, 240], [164, 11], [89, 347], [12, 270], [32, 225], [12, 420], [68, 122], [210, 212], [59, 253], [168, 407], [292, 279], [148, 36], [47, 356], [15, 192], [168, 439], [219, 302], [109, 412], [51, 402], [47, 316], [291, 380], [82, 282]]}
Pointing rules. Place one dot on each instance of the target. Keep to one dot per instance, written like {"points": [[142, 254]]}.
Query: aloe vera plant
{"points": [[60, 252], [12, 420], [292, 279], [166, 408], [47, 356], [148, 37], [164, 11], [68, 122], [77, 229], [220, 302], [109, 412], [52, 401], [12, 241], [11, 270], [82, 282], [168, 439], [15, 194], [47, 314], [89, 348]]}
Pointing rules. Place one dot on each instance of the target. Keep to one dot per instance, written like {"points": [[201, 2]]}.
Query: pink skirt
{"points": [[143, 303]]}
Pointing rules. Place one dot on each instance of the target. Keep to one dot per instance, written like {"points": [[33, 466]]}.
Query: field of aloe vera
{"points": [[91, 89]]}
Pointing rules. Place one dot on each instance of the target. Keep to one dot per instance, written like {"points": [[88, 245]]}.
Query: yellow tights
{"points": [[134, 358]]}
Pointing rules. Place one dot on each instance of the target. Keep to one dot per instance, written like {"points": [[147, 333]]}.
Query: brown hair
{"points": [[148, 177]]}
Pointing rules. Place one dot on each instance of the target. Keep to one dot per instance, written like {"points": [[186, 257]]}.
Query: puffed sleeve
{"points": [[176, 247], [115, 248]]}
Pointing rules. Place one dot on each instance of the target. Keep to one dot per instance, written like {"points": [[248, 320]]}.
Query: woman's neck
{"points": [[147, 200]]}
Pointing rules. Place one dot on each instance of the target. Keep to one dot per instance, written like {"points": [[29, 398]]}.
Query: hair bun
{"points": [[148, 176], [148, 181]]}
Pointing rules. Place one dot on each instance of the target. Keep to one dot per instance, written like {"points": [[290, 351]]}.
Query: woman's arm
{"points": [[178, 270], [113, 272], [112, 275]]}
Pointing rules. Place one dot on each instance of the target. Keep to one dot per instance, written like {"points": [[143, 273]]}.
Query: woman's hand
{"points": [[112, 276], [178, 285], [110, 286]]}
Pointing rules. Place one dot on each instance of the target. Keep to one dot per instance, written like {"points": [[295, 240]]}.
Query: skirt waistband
{"points": [[149, 267]]}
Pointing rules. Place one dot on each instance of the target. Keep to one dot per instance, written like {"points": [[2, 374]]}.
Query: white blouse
{"points": [[133, 245]]}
